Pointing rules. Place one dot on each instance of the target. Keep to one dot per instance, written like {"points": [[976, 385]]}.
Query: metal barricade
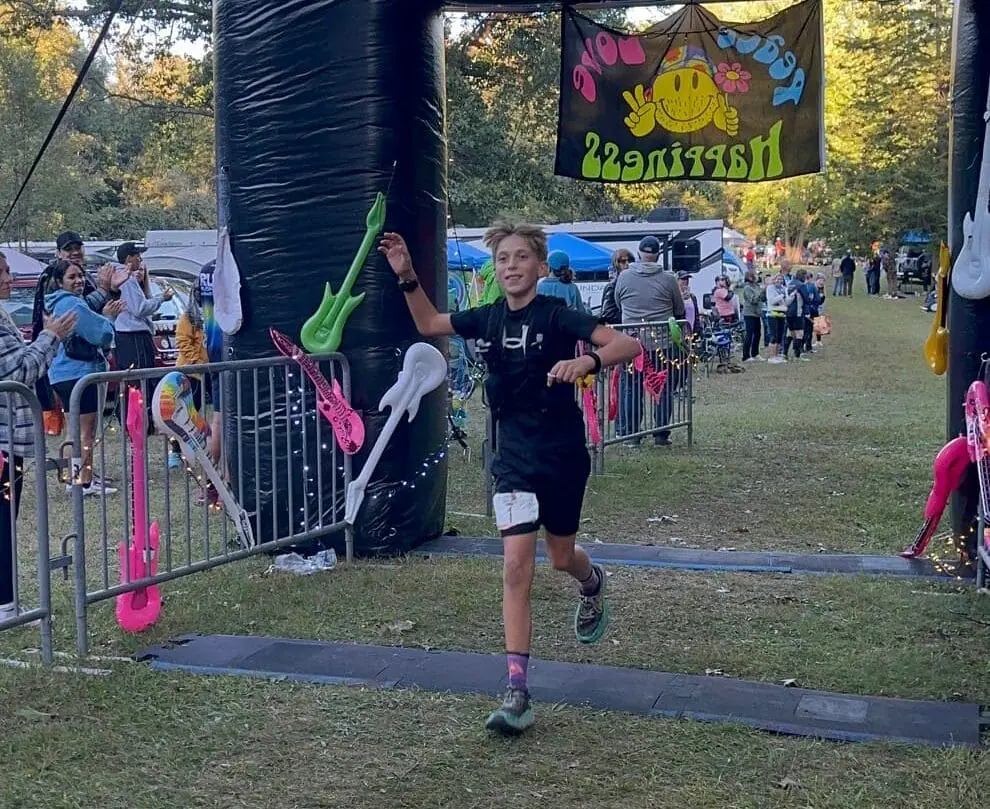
{"points": [[635, 403], [15, 397], [289, 452]]}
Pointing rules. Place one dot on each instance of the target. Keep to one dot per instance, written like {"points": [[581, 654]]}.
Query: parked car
{"points": [[914, 264], [166, 319]]}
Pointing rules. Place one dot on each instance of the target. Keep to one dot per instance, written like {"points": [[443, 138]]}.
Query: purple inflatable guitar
{"points": [[330, 401]]}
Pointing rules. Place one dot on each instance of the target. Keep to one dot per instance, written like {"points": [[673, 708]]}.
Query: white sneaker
{"points": [[97, 488]]}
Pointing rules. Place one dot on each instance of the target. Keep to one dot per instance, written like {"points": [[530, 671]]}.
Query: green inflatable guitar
{"points": [[323, 331]]}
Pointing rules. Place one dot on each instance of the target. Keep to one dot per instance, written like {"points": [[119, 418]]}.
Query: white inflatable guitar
{"points": [[971, 272], [175, 413], [423, 371]]}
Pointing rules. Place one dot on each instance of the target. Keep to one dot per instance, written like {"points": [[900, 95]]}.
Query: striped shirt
{"points": [[24, 363]]}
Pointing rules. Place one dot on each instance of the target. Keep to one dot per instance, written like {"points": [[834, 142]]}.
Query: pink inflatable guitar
{"points": [[613, 394], [978, 440], [589, 401], [653, 381], [139, 610], [330, 401], [951, 464]]}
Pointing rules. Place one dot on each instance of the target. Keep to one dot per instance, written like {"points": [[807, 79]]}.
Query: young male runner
{"points": [[541, 463]]}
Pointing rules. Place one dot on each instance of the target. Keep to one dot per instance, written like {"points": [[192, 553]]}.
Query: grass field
{"points": [[832, 454]]}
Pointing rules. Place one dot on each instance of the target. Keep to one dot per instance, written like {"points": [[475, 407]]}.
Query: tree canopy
{"points": [[136, 151]]}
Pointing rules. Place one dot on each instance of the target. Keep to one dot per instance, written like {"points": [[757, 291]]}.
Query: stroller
{"points": [[716, 345]]}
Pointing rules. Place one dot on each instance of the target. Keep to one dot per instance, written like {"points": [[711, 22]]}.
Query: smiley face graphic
{"points": [[683, 98]]}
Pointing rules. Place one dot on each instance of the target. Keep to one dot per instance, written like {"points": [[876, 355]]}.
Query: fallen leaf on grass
{"points": [[401, 626], [714, 673], [722, 590], [37, 716], [725, 549], [786, 783], [790, 682], [663, 518]]}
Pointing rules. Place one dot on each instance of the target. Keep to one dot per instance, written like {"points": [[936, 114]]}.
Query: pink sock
{"points": [[518, 668]]}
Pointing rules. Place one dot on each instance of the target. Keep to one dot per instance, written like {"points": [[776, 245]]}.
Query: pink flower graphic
{"points": [[732, 78]]}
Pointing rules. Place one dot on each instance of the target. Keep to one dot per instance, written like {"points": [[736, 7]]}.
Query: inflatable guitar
{"points": [[937, 344], [978, 440], [323, 332], [138, 610], [971, 273], [424, 369], [613, 394], [176, 414], [347, 425], [951, 464], [589, 402], [653, 381]]}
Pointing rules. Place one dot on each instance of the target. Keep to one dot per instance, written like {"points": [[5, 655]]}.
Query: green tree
{"points": [[502, 91], [37, 68]]}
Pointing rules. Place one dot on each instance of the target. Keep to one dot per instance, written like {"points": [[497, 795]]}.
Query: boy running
{"points": [[541, 464]]}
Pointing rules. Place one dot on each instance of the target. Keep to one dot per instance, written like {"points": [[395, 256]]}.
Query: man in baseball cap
{"points": [[647, 293], [70, 247], [129, 254], [649, 247]]}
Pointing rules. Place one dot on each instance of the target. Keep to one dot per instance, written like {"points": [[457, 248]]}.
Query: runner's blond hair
{"points": [[535, 237]]}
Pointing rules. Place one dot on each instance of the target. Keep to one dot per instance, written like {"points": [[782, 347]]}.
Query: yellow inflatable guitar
{"points": [[937, 344]]}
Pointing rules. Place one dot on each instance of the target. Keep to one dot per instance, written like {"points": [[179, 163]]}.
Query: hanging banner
{"points": [[693, 98]]}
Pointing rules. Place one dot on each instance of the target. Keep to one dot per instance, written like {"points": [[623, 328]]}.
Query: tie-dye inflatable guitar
{"points": [[347, 425], [176, 414], [951, 464], [139, 610]]}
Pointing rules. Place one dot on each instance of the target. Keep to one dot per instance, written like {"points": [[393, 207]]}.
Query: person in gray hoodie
{"points": [[134, 346], [647, 293]]}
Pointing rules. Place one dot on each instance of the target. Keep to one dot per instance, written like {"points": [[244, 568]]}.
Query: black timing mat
{"points": [[792, 711], [720, 561]]}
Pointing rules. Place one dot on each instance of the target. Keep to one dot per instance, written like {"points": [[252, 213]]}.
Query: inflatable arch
{"points": [[316, 101]]}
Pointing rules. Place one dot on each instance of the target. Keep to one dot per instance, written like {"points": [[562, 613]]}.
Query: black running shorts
{"points": [[549, 497]]}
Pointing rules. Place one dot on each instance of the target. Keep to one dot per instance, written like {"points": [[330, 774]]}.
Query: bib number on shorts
{"points": [[515, 508]]}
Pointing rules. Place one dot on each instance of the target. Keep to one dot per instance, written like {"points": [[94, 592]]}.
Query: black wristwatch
{"points": [[409, 286]]}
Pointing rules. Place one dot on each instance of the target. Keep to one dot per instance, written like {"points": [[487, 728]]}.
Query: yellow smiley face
{"points": [[686, 100]]}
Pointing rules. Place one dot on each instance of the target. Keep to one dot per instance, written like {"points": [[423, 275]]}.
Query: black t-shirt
{"points": [[520, 347]]}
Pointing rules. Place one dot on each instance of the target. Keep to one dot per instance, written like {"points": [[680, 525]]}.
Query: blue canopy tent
{"points": [[462, 256], [585, 256]]}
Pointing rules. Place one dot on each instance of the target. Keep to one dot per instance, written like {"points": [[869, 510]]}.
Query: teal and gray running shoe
{"points": [[514, 716], [591, 618]]}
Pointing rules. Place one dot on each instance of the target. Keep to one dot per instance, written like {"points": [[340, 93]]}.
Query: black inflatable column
{"points": [[316, 100], [969, 321]]}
